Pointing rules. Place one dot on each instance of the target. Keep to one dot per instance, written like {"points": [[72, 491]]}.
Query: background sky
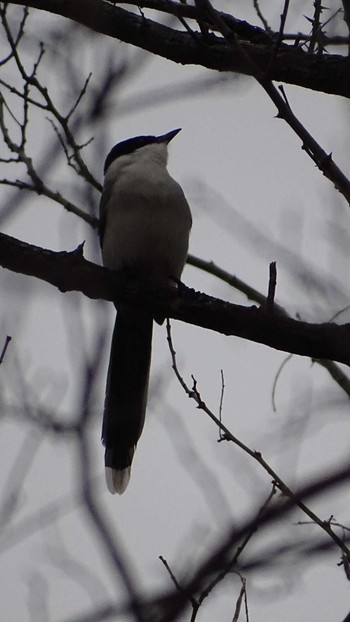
{"points": [[255, 197]]}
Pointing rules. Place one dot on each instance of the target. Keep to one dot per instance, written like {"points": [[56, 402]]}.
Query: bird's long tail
{"points": [[126, 393]]}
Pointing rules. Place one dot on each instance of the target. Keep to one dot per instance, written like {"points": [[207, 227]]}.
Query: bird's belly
{"points": [[148, 243]]}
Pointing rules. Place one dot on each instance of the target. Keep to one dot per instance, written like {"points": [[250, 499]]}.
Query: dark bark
{"points": [[69, 271], [328, 73]]}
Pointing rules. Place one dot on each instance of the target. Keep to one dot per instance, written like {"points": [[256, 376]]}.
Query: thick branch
{"points": [[71, 272], [326, 73]]}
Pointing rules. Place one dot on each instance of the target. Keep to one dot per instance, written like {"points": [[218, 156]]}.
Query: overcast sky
{"points": [[255, 198]]}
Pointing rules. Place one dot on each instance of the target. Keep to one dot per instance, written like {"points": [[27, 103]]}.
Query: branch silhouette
{"points": [[325, 73], [69, 271]]}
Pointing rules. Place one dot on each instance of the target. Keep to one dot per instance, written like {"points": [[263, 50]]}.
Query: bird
{"points": [[145, 222]]}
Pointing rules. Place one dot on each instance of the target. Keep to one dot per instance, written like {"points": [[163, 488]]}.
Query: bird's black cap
{"points": [[131, 144]]}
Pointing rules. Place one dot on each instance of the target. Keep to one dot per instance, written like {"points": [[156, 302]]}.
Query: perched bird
{"points": [[145, 223]]}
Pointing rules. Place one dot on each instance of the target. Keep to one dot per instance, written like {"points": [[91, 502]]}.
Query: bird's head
{"points": [[137, 145]]}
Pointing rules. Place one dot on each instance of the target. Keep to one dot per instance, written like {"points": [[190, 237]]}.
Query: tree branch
{"points": [[69, 271], [326, 73]]}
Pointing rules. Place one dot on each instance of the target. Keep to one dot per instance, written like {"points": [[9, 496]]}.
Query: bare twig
{"points": [[211, 268], [252, 294], [16, 479], [316, 25], [219, 557], [261, 17], [229, 567], [270, 301], [20, 33], [322, 160], [221, 397], [279, 371], [4, 349], [241, 597], [279, 38], [37, 184], [79, 98], [31, 80], [194, 394], [178, 586]]}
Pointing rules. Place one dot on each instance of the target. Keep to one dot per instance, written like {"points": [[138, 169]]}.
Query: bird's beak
{"points": [[166, 138]]}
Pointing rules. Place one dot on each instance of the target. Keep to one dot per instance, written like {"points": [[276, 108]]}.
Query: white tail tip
{"points": [[117, 481]]}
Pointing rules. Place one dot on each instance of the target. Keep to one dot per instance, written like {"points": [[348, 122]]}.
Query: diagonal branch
{"points": [[255, 296]]}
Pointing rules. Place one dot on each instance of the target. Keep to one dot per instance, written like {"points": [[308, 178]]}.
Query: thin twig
{"points": [[252, 294], [322, 160], [279, 371], [270, 301], [63, 120], [178, 587], [235, 557], [194, 394], [316, 25], [239, 603], [261, 17], [221, 396], [6, 345], [279, 38]]}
